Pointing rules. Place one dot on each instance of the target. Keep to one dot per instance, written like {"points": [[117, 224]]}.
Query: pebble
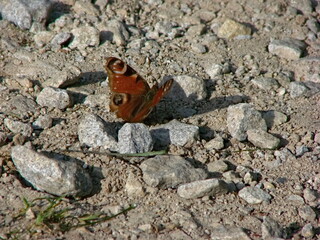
{"points": [[297, 89], [307, 213], [254, 195], [295, 199], [85, 7], [232, 176], [307, 231], [18, 127], [309, 195], [114, 31], [170, 171], [175, 133], [201, 188], [61, 38], [265, 83], [284, 155], [218, 166], [263, 139], [54, 97], [68, 76], [84, 37], [304, 6], [198, 48], [313, 25], [250, 178], [24, 13], [134, 138], [195, 31], [134, 187], [42, 122], [290, 49], [43, 38], [300, 150], [52, 174], [231, 29], [242, 117], [215, 70], [217, 143], [188, 88], [94, 132], [19, 106], [270, 229], [274, 118], [227, 232], [3, 139]]}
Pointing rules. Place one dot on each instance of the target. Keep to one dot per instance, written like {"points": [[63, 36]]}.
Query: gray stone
{"points": [[198, 48], [300, 150], [290, 49], [308, 231], [217, 166], [175, 133], [94, 132], [19, 106], [295, 199], [307, 213], [228, 233], [134, 138], [114, 31], [201, 188], [263, 139], [254, 195], [42, 38], [216, 143], [85, 7], [274, 118], [215, 70], [188, 88], [56, 175], [231, 29], [18, 127], [304, 6], [61, 38], [250, 177], [310, 195], [66, 77], [170, 171], [24, 13], [297, 89], [84, 37], [96, 100], [266, 83], [232, 176], [241, 118], [54, 97], [134, 187], [3, 138], [270, 228], [284, 155], [313, 25], [42, 122]]}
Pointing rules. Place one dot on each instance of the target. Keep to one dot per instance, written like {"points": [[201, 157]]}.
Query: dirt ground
{"points": [[161, 213]]}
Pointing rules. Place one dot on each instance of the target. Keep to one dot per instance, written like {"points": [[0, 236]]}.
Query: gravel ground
{"points": [[241, 122]]}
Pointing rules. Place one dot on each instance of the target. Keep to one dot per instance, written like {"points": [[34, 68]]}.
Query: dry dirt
{"points": [[162, 213]]}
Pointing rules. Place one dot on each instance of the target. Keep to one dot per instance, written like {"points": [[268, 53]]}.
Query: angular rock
{"points": [[218, 166], [304, 6], [274, 118], [42, 38], [55, 175], [81, 7], [215, 70], [228, 233], [297, 89], [24, 13], [265, 83], [201, 188], [175, 133], [42, 122], [270, 228], [231, 29], [308, 231], [18, 127], [290, 49], [94, 132], [54, 97], [134, 138], [114, 31], [19, 105], [263, 139], [61, 38], [216, 143], [307, 213], [198, 48], [254, 195], [66, 77], [3, 138], [188, 88], [84, 37], [300, 150], [134, 187], [170, 171], [241, 118]]}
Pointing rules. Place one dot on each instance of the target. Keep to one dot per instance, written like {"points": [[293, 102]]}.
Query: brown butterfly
{"points": [[132, 99]]}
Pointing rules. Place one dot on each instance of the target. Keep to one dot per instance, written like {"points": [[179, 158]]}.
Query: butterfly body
{"points": [[131, 97]]}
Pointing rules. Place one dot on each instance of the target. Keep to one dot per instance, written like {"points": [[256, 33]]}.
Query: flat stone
{"points": [[134, 138], [84, 37], [254, 195], [217, 143], [263, 139], [19, 106], [18, 127], [222, 232], [290, 49], [215, 70], [61, 38], [66, 77], [175, 133], [56, 175], [307, 213], [170, 171], [270, 228], [42, 122], [218, 166], [265, 83], [94, 132], [201, 188], [242, 117], [274, 118], [54, 97], [231, 29], [297, 89]]}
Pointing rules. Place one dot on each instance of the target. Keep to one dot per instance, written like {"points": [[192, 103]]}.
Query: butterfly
{"points": [[131, 97]]}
